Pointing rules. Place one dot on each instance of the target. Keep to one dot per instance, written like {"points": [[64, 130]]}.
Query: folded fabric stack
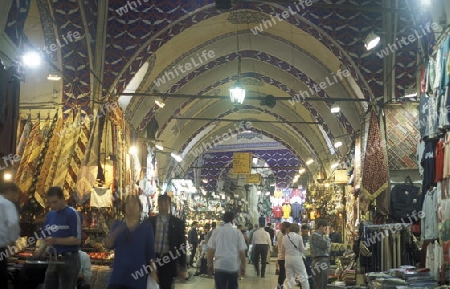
{"points": [[388, 283], [349, 277]]}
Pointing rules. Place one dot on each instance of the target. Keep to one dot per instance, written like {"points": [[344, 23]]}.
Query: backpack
{"points": [[405, 200]]}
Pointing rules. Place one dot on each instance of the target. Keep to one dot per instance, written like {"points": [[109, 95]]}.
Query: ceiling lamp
{"points": [[160, 103], [31, 58], [237, 92], [53, 77], [301, 171], [176, 157], [335, 108], [132, 150], [371, 41], [338, 144], [7, 177], [159, 146], [310, 161]]}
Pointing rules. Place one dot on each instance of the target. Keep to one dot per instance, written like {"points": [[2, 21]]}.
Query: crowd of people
{"points": [[157, 249]]}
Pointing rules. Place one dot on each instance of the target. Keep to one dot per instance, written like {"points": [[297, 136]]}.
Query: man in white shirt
{"points": [[227, 246], [9, 227], [84, 277], [262, 245]]}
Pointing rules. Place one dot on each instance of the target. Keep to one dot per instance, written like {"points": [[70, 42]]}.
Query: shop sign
{"points": [[242, 163], [254, 179], [340, 177]]}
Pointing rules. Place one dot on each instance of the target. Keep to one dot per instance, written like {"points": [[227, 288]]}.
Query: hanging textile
{"points": [[24, 173], [374, 173], [31, 164], [9, 108], [53, 143], [47, 134], [20, 129], [62, 160], [88, 171], [24, 137], [77, 157]]}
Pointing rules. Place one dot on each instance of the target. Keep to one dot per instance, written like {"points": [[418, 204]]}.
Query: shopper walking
{"points": [[306, 242], [227, 246], [281, 254], [170, 243], [9, 227], [261, 247], [210, 232], [294, 250], [134, 249], [320, 253], [65, 241], [193, 241]]}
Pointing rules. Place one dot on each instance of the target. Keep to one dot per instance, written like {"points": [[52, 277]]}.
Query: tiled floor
{"points": [[251, 281]]}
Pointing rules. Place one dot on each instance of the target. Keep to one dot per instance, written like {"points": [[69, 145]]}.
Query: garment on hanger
{"points": [[420, 151], [429, 165], [423, 116], [277, 212], [429, 223], [296, 209], [101, 197], [286, 211], [446, 168], [439, 161]]}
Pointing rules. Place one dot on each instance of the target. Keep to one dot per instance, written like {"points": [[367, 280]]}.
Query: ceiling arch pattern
{"points": [[47, 26], [133, 36], [282, 162], [16, 20], [268, 80], [311, 21], [300, 134], [263, 57], [75, 57]]}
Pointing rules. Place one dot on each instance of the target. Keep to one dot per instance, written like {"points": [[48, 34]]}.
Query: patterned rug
{"points": [[402, 136]]}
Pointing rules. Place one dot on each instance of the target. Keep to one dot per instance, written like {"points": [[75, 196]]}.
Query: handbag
{"points": [[151, 283]]}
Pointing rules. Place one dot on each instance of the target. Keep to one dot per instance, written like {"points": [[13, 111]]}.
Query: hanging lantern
{"points": [[321, 175]]}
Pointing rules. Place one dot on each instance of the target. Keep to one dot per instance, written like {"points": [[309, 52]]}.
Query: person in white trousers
{"points": [[294, 255]]}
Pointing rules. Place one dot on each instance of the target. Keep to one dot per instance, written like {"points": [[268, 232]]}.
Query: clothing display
{"points": [[439, 170], [429, 164], [101, 198], [390, 245], [286, 211], [430, 220], [277, 212], [296, 210]]}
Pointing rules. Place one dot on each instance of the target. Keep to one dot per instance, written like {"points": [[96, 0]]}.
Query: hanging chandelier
{"points": [[237, 92]]}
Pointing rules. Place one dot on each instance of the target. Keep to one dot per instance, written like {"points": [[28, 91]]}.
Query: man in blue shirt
{"points": [[65, 242]]}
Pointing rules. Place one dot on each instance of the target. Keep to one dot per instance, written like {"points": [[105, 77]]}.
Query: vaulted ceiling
{"points": [[319, 43]]}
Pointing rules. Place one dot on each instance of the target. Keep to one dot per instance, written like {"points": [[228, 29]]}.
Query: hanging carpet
{"points": [[24, 173], [53, 142], [88, 171], [374, 172], [63, 154], [77, 157]]}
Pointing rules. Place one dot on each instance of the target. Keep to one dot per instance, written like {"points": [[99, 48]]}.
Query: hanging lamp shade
{"points": [[237, 94], [321, 175]]}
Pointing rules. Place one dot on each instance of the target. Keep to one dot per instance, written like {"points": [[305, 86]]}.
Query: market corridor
{"points": [[249, 282]]}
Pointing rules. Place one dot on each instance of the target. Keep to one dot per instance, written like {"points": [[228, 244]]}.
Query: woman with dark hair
{"points": [[134, 249], [281, 254]]}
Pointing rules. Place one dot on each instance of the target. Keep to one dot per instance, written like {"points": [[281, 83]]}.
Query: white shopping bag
{"points": [[151, 283]]}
